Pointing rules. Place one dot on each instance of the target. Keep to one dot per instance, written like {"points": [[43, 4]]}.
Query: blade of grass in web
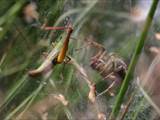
{"points": [[149, 99], [15, 69], [14, 91], [19, 83], [2, 59], [10, 115], [27, 102], [134, 60], [138, 109]]}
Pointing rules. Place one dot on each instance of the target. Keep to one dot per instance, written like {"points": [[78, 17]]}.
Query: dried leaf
{"points": [[62, 99], [101, 116], [30, 12], [154, 50], [92, 93], [157, 36]]}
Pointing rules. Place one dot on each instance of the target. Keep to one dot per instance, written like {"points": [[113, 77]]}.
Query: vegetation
{"points": [[106, 34]]}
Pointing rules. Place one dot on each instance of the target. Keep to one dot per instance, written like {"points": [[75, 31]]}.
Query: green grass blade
{"points": [[14, 91], [8, 18], [134, 60]]}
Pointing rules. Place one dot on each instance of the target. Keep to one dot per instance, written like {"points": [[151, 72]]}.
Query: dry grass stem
{"points": [[107, 90]]}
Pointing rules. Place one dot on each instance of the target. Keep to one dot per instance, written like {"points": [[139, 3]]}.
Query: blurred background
{"points": [[116, 25]]}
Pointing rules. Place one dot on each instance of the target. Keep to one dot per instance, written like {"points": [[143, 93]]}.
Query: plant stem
{"points": [[134, 60]]}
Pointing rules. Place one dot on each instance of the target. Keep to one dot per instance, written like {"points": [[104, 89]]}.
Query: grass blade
{"points": [[134, 60]]}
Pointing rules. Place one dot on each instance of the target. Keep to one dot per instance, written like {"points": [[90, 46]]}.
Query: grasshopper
{"points": [[57, 55]]}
